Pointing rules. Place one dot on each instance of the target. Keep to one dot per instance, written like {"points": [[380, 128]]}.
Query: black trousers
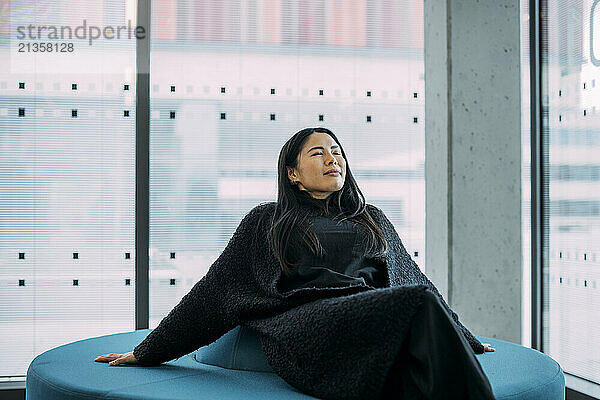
{"points": [[436, 361]]}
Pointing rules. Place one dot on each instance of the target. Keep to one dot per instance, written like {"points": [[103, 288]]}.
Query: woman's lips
{"points": [[333, 173]]}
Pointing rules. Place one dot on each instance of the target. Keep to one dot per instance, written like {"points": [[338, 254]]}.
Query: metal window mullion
{"points": [[142, 168], [534, 94]]}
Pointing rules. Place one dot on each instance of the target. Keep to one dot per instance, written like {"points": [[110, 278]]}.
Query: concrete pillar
{"points": [[473, 161]]}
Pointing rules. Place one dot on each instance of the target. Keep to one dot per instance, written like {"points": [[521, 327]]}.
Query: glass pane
{"points": [[571, 83], [67, 178], [234, 80]]}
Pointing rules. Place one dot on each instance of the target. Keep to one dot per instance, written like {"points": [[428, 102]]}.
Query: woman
{"points": [[341, 309]]}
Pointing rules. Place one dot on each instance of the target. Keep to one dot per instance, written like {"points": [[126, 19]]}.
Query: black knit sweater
{"points": [[329, 342], [344, 260]]}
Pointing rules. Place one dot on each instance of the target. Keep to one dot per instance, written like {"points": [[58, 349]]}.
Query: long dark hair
{"points": [[289, 224]]}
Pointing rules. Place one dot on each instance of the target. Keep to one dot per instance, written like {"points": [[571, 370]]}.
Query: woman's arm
{"points": [[210, 308], [411, 270]]}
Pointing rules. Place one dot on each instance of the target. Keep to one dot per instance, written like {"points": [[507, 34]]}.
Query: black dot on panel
{"points": [[320, 92], [320, 117], [75, 282], [222, 89], [21, 112], [415, 120], [172, 88], [272, 91], [272, 117], [21, 282], [126, 113], [416, 254], [584, 256], [222, 115], [584, 85], [21, 256], [125, 87], [368, 118], [75, 256], [172, 281], [172, 115], [368, 93], [560, 117], [74, 113], [73, 86], [560, 279], [172, 254], [560, 254], [127, 256], [584, 112], [559, 93], [127, 282], [21, 85], [585, 283], [415, 95]]}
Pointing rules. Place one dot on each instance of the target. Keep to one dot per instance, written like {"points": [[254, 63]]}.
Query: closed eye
{"points": [[337, 154]]}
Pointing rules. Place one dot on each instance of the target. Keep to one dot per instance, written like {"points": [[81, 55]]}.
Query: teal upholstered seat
{"points": [[234, 367]]}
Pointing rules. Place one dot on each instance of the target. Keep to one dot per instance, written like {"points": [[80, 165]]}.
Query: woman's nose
{"points": [[331, 159]]}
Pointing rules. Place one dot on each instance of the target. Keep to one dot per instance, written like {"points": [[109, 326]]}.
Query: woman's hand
{"points": [[487, 347], [116, 359]]}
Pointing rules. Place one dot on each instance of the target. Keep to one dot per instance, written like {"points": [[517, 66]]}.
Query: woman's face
{"points": [[319, 154]]}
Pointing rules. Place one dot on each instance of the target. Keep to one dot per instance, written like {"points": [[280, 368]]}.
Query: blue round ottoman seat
{"points": [[235, 367]]}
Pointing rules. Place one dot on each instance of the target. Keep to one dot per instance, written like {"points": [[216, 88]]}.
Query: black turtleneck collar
{"points": [[307, 200]]}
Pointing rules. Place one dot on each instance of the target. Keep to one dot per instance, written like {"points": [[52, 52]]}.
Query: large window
{"points": [[67, 179], [230, 82], [570, 51]]}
